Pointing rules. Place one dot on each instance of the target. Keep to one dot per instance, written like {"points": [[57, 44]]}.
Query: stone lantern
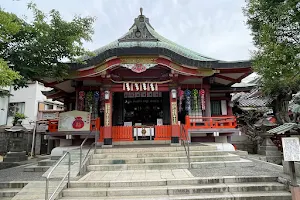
{"points": [[16, 153], [268, 148]]}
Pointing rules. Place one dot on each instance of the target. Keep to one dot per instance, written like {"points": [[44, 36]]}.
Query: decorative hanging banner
{"points": [[81, 96], [195, 99], [96, 103], [181, 95], [187, 100], [89, 101], [202, 95]]}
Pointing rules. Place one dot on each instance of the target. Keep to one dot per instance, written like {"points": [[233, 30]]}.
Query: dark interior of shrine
{"points": [[141, 109]]}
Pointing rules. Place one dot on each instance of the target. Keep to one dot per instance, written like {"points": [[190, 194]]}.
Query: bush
{"points": [[17, 117]]}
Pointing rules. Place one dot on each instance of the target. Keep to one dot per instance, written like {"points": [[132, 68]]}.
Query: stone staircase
{"points": [[161, 158], [225, 188], [42, 166], [9, 189], [123, 177]]}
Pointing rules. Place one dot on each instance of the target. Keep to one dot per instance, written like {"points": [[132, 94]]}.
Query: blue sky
{"points": [[215, 28]]}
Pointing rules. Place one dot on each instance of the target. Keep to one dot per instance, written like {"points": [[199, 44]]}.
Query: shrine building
{"points": [[143, 86]]}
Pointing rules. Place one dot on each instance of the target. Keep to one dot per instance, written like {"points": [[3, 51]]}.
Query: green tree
{"points": [[275, 26], [40, 48]]}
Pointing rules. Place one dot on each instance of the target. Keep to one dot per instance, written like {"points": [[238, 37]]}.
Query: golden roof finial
{"points": [[141, 10]]}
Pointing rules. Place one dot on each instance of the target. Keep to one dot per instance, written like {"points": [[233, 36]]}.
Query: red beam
{"points": [[226, 78]]}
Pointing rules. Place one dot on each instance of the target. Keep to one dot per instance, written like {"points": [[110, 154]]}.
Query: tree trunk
{"points": [[281, 110]]}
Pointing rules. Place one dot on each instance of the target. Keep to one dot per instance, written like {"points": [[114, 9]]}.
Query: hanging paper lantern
{"points": [[156, 87], [144, 86]]}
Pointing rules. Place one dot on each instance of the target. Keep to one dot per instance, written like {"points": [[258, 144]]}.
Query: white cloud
{"points": [[215, 28]]}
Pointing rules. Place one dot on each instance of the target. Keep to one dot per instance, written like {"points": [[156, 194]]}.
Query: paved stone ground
{"points": [[130, 175], [18, 174], [260, 168]]}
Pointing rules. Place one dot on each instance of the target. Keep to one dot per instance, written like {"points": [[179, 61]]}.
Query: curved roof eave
{"points": [[152, 43]]}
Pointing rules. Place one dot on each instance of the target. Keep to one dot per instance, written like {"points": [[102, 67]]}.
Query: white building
{"points": [[26, 101], [3, 106]]}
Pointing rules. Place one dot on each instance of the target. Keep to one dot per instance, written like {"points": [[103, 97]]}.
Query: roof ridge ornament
{"points": [[141, 10], [139, 30]]}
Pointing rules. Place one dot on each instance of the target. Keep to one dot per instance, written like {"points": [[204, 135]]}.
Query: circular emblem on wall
{"points": [[144, 131], [138, 68]]}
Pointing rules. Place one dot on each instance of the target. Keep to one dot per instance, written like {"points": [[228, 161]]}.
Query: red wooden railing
{"points": [[163, 132], [197, 122], [122, 133]]}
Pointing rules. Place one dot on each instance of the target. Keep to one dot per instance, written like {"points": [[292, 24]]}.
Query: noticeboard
{"points": [[291, 149]]}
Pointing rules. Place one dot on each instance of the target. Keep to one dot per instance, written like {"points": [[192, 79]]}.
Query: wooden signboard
{"points": [[74, 121]]}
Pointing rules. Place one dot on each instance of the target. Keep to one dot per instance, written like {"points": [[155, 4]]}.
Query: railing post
{"points": [[80, 160], [69, 169], [46, 189]]}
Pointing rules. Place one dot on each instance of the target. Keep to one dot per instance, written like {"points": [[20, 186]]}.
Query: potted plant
{"points": [[17, 117]]}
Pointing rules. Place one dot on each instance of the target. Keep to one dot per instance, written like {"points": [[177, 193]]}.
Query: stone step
{"points": [[47, 162], [169, 166], [155, 149], [6, 198], [173, 190], [12, 184], [9, 192], [164, 159], [157, 154], [147, 166], [36, 168], [274, 195], [172, 182]]}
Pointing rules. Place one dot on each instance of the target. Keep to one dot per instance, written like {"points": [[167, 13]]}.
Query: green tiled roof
{"points": [[151, 39], [283, 128]]}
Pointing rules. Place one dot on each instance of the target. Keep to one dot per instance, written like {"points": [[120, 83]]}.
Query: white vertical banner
{"points": [[224, 107]]}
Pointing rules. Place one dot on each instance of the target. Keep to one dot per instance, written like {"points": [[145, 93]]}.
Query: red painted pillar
{"points": [[107, 130], [207, 101], [174, 117]]}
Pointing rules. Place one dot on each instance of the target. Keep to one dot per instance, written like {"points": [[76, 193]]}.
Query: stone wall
{"points": [[286, 169], [242, 143], [6, 138]]}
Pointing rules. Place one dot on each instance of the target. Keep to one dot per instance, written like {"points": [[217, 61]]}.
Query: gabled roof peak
{"points": [[139, 30]]}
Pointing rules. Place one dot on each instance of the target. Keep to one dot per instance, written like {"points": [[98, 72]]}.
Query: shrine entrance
{"points": [[142, 111]]}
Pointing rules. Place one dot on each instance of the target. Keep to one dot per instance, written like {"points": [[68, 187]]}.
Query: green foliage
{"points": [[40, 49], [275, 26], [7, 75], [276, 33], [17, 117]]}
